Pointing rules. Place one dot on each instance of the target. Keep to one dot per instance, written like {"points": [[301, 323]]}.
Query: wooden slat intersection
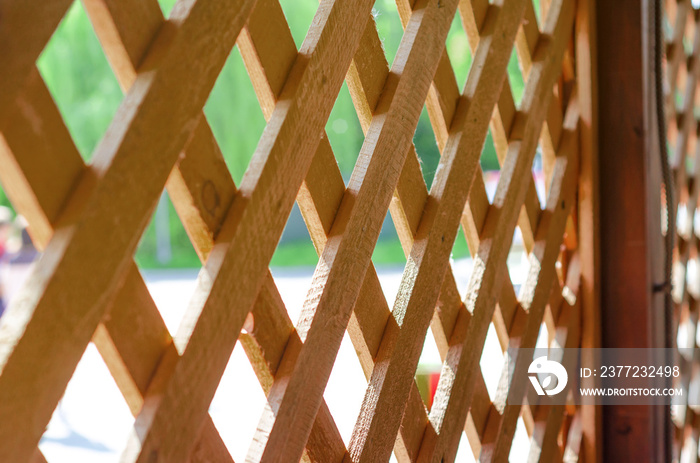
{"points": [[88, 219]]}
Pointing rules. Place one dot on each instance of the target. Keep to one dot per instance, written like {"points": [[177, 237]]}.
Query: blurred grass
{"points": [[87, 95]]}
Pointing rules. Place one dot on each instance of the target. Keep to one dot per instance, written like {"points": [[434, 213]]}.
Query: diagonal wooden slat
{"points": [[204, 167], [686, 122], [324, 186], [446, 319], [268, 9], [360, 96], [25, 27], [543, 446], [429, 257], [355, 230], [131, 355], [406, 215], [446, 90], [535, 292], [170, 383], [502, 121], [454, 392], [275, 173], [474, 217], [131, 366], [681, 98], [53, 301]]}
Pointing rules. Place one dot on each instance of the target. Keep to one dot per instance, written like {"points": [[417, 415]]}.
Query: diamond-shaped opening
{"points": [[92, 421], [465, 454], [17, 252], [166, 6], [165, 243], [543, 337], [689, 33], [389, 258], [538, 176], [678, 94], [458, 50], [550, 322], [687, 326], [672, 134], [299, 14], [168, 263], [517, 261], [426, 147], [692, 276], [293, 262], [515, 78], [492, 361], [295, 248], [389, 27], [77, 74], [683, 223], [543, 164], [346, 388], [238, 404], [490, 165], [667, 25], [234, 115], [428, 371], [696, 221], [681, 79], [461, 262], [678, 278], [344, 132], [690, 158], [521, 442], [541, 7]]}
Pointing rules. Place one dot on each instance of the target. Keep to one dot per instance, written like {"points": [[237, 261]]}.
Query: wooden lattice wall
{"points": [[88, 220], [682, 34]]}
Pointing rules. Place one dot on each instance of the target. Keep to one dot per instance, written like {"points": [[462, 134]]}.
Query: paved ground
{"points": [[92, 422]]}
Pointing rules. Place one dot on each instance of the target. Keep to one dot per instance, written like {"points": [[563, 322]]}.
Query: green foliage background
{"points": [[87, 94]]}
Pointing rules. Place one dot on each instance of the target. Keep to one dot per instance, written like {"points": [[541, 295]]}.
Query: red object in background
{"points": [[433, 380]]}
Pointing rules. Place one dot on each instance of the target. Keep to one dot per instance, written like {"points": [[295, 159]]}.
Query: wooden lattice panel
{"points": [[88, 220], [682, 34]]}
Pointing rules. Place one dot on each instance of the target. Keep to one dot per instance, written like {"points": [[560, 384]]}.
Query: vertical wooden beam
{"points": [[630, 235], [588, 211]]}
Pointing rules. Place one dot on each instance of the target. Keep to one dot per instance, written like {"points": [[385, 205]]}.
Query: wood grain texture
{"points": [[347, 253], [389, 387], [53, 303], [275, 173], [201, 174], [130, 354], [474, 216], [169, 383], [588, 211], [535, 292], [25, 27], [324, 187], [449, 408]]}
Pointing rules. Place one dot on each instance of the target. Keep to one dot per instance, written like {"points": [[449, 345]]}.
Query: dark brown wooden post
{"points": [[630, 233]]}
